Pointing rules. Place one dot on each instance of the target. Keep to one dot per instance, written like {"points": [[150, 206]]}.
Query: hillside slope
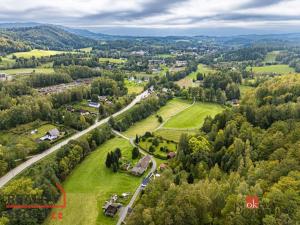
{"points": [[46, 37]]}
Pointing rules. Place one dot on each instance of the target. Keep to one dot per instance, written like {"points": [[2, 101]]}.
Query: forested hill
{"points": [[42, 37]]}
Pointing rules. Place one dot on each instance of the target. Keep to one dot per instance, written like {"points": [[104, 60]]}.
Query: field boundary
{"points": [[162, 124]]}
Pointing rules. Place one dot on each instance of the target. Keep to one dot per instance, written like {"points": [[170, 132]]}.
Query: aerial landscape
{"points": [[171, 112]]}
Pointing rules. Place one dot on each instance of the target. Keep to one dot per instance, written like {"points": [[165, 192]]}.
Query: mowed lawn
{"points": [[36, 53], [194, 116], [281, 69], [91, 184], [151, 123]]}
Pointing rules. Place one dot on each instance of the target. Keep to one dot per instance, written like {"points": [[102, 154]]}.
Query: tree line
{"points": [[139, 112]]}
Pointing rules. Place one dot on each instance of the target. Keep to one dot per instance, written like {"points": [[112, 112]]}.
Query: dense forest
{"points": [[249, 150]]}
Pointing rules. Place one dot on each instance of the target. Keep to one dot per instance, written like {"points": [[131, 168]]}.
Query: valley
{"points": [[144, 130]]}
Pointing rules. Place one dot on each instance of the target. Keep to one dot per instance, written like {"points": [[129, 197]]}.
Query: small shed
{"points": [[171, 155], [162, 167]]}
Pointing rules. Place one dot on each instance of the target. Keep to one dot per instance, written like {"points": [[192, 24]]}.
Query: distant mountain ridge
{"points": [[24, 36], [46, 37]]}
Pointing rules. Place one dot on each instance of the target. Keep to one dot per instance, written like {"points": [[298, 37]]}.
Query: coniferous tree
{"points": [[108, 161]]}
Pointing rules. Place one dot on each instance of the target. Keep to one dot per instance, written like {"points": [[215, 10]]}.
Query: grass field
{"points": [[271, 56], [6, 62], [194, 116], [173, 134], [202, 69], [91, 184], [27, 71], [165, 56], [36, 53], [281, 69], [87, 50], [188, 81], [151, 123], [244, 89], [134, 87], [112, 60]]}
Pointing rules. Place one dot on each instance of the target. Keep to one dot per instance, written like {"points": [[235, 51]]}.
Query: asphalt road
{"points": [[14, 172], [124, 210]]}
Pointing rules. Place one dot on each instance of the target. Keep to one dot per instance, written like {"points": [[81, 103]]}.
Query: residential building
{"points": [[141, 166]]}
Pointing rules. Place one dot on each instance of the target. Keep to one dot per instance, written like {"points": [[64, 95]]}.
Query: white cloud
{"points": [[153, 13]]}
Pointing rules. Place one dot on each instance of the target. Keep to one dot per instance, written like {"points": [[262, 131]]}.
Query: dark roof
{"points": [[111, 210]]}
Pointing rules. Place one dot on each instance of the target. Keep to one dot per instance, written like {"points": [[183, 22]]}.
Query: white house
{"points": [[51, 135]]}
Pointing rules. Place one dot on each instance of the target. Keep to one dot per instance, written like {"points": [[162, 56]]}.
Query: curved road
{"points": [[124, 210], [14, 172]]}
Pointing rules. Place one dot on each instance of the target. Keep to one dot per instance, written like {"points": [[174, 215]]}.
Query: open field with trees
{"points": [[134, 87], [18, 143], [252, 149], [157, 146], [201, 69], [188, 81], [21, 71], [91, 184], [112, 60], [151, 123], [194, 116], [271, 57], [281, 69]]}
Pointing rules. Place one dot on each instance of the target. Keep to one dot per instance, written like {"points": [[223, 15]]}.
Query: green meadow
{"points": [[280, 69], [151, 123], [24, 71], [271, 56], [188, 80], [91, 184], [36, 53], [112, 60], [194, 116], [134, 87]]}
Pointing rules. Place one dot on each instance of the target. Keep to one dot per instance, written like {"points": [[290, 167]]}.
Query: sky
{"points": [[160, 17]]}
